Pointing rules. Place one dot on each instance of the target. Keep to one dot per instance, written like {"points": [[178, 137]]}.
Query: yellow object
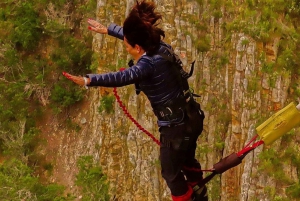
{"points": [[279, 124]]}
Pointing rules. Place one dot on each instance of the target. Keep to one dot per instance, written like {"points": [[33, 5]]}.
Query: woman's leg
{"points": [[172, 158]]}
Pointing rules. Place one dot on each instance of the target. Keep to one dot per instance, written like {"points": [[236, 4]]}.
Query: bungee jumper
{"points": [[157, 71]]}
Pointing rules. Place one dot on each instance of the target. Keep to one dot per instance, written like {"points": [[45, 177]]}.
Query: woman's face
{"points": [[136, 51]]}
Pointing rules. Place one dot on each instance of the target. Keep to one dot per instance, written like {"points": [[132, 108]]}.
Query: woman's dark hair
{"points": [[140, 27]]}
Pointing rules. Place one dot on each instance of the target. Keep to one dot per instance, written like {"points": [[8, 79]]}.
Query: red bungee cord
{"points": [[250, 147], [130, 116]]}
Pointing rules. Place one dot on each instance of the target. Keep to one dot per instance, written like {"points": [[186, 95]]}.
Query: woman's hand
{"points": [[82, 81], [97, 27]]}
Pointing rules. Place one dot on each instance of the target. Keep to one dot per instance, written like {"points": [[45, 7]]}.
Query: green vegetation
{"points": [[294, 190], [39, 40], [92, 180], [65, 96], [266, 21], [18, 183], [274, 26], [36, 45], [107, 104]]}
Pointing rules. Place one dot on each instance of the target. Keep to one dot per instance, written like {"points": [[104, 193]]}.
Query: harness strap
{"points": [[173, 58], [206, 179]]}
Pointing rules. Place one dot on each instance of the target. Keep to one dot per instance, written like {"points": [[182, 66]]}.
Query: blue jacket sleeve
{"points": [[142, 70], [115, 31]]}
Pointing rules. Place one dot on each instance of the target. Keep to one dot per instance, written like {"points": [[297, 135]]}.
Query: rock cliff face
{"points": [[235, 95]]}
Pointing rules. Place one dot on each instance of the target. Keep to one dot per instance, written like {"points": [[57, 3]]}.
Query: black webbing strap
{"points": [[206, 180], [172, 57]]}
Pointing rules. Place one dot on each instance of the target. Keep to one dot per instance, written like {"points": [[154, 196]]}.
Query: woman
{"points": [[180, 118]]}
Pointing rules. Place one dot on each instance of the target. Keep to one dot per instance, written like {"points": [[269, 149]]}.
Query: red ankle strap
{"points": [[185, 197]]}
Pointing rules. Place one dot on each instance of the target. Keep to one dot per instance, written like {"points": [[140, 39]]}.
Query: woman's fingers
{"points": [[94, 23], [96, 26], [67, 75], [102, 30], [76, 79]]}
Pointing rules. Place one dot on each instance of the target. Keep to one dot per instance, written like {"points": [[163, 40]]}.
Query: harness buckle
{"points": [[161, 113], [171, 112], [165, 112]]}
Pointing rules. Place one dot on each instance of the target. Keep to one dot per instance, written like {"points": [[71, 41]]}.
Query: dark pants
{"points": [[177, 151]]}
